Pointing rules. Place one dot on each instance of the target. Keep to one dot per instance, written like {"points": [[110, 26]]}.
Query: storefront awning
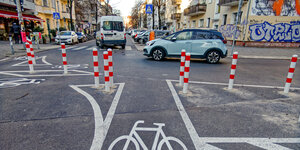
{"points": [[8, 14]]}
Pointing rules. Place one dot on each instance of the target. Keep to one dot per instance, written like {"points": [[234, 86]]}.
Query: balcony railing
{"points": [[176, 16], [195, 10], [176, 2], [230, 2]]}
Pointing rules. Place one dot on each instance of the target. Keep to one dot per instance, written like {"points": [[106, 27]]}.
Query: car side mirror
{"points": [[173, 39]]}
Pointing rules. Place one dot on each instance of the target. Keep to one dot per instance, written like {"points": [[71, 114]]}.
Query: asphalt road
{"points": [[49, 110]]}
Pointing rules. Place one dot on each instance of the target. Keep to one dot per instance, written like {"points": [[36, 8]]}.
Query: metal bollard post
{"points": [[232, 71], [290, 74], [182, 62], [64, 57], [96, 67], [106, 71], [110, 64], [11, 45], [186, 73], [31, 70]]}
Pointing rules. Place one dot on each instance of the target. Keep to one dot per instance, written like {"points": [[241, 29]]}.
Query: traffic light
{"points": [[21, 3]]}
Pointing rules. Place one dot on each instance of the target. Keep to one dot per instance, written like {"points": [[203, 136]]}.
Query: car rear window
{"points": [[65, 33], [113, 25]]}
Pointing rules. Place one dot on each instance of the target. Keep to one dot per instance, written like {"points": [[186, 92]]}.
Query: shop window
{"points": [[201, 23]]}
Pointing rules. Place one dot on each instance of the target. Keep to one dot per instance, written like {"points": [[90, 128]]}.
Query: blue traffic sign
{"points": [[149, 9], [56, 15]]}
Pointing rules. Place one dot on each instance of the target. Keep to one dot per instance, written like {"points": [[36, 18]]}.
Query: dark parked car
{"points": [[81, 37]]}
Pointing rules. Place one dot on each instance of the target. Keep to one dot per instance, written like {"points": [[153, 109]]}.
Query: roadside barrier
{"points": [[110, 64], [96, 67], [106, 71], [290, 74], [232, 71], [182, 62], [31, 70], [186, 72], [32, 52], [64, 57]]}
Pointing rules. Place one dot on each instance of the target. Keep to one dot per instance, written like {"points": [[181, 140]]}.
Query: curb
{"points": [[265, 57]]}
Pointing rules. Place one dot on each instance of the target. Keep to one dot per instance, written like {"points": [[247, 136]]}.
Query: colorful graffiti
{"points": [[276, 8], [280, 32], [228, 31]]}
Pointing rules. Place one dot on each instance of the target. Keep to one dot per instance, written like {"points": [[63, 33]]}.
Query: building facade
{"points": [[263, 23]]}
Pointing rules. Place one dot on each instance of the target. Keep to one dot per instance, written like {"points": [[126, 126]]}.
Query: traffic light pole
{"points": [[57, 23], [20, 17]]}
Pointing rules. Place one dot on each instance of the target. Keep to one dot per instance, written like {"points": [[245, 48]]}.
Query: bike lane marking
{"points": [[188, 123], [18, 73], [201, 143], [101, 125], [24, 63]]}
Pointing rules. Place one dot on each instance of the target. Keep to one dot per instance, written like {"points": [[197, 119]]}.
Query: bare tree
{"points": [[135, 18], [157, 4], [70, 6]]}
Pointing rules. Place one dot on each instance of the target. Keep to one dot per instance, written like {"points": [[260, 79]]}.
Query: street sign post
{"points": [[149, 9], [56, 15]]}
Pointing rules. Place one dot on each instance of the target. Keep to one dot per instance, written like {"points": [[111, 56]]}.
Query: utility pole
{"points": [[57, 23], [97, 15], [236, 22], [21, 23]]}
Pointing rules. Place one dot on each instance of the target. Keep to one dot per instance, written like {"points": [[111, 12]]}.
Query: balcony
{"points": [[195, 10], [176, 16], [230, 2], [44, 10], [176, 2], [28, 4]]}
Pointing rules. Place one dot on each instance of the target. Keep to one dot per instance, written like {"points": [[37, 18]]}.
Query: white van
{"points": [[111, 32]]}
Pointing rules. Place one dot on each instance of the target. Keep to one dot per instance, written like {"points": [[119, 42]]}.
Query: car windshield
{"points": [[113, 25], [168, 37], [79, 33], [65, 33]]}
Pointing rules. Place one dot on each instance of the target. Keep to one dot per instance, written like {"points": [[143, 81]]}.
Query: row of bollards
{"points": [[185, 69]]}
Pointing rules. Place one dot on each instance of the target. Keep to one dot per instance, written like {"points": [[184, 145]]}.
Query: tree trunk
{"points": [[159, 20], [71, 18], [153, 11]]}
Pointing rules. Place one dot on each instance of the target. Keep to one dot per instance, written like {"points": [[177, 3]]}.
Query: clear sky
{"points": [[123, 5]]}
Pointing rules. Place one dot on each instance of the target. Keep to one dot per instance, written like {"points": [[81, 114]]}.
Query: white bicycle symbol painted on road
{"points": [[137, 141], [13, 82]]}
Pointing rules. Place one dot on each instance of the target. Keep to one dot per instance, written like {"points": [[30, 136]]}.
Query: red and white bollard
{"points": [[290, 74], [96, 67], [32, 52], [64, 56], [31, 70], [186, 73], [110, 64], [232, 71], [106, 71], [182, 62]]}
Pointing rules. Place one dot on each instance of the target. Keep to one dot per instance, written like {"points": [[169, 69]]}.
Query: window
{"points": [[205, 35], [53, 4], [224, 19], [113, 25], [184, 36], [201, 23], [208, 23], [194, 24], [169, 37], [67, 9], [45, 3], [178, 26], [234, 17]]}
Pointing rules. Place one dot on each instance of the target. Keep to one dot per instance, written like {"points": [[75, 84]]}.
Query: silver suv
{"points": [[208, 44]]}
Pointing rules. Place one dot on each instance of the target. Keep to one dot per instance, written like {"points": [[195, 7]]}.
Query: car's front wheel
{"points": [[213, 57], [158, 54]]}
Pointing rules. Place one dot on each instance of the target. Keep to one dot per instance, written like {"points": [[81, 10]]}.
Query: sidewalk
{"points": [[5, 50], [265, 53]]}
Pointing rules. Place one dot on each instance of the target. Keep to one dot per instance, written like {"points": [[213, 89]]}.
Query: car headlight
{"points": [[150, 43]]}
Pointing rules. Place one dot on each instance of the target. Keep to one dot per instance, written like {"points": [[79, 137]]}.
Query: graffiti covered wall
{"points": [[280, 32], [228, 31], [275, 8]]}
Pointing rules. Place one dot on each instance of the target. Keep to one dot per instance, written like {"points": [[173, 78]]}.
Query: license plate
{"points": [[108, 35]]}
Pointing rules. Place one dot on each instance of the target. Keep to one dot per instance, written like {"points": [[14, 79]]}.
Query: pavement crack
{"points": [[22, 96]]}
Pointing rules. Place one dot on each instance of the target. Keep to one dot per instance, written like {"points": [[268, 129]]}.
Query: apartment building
{"points": [[45, 9], [8, 16]]}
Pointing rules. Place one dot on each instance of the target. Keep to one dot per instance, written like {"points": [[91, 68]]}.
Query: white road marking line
{"points": [[78, 48], [241, 85], [188, 124], [128, 48], [101, 126], [4, 59], [247, 139], [24, 63], [13, 73]]}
